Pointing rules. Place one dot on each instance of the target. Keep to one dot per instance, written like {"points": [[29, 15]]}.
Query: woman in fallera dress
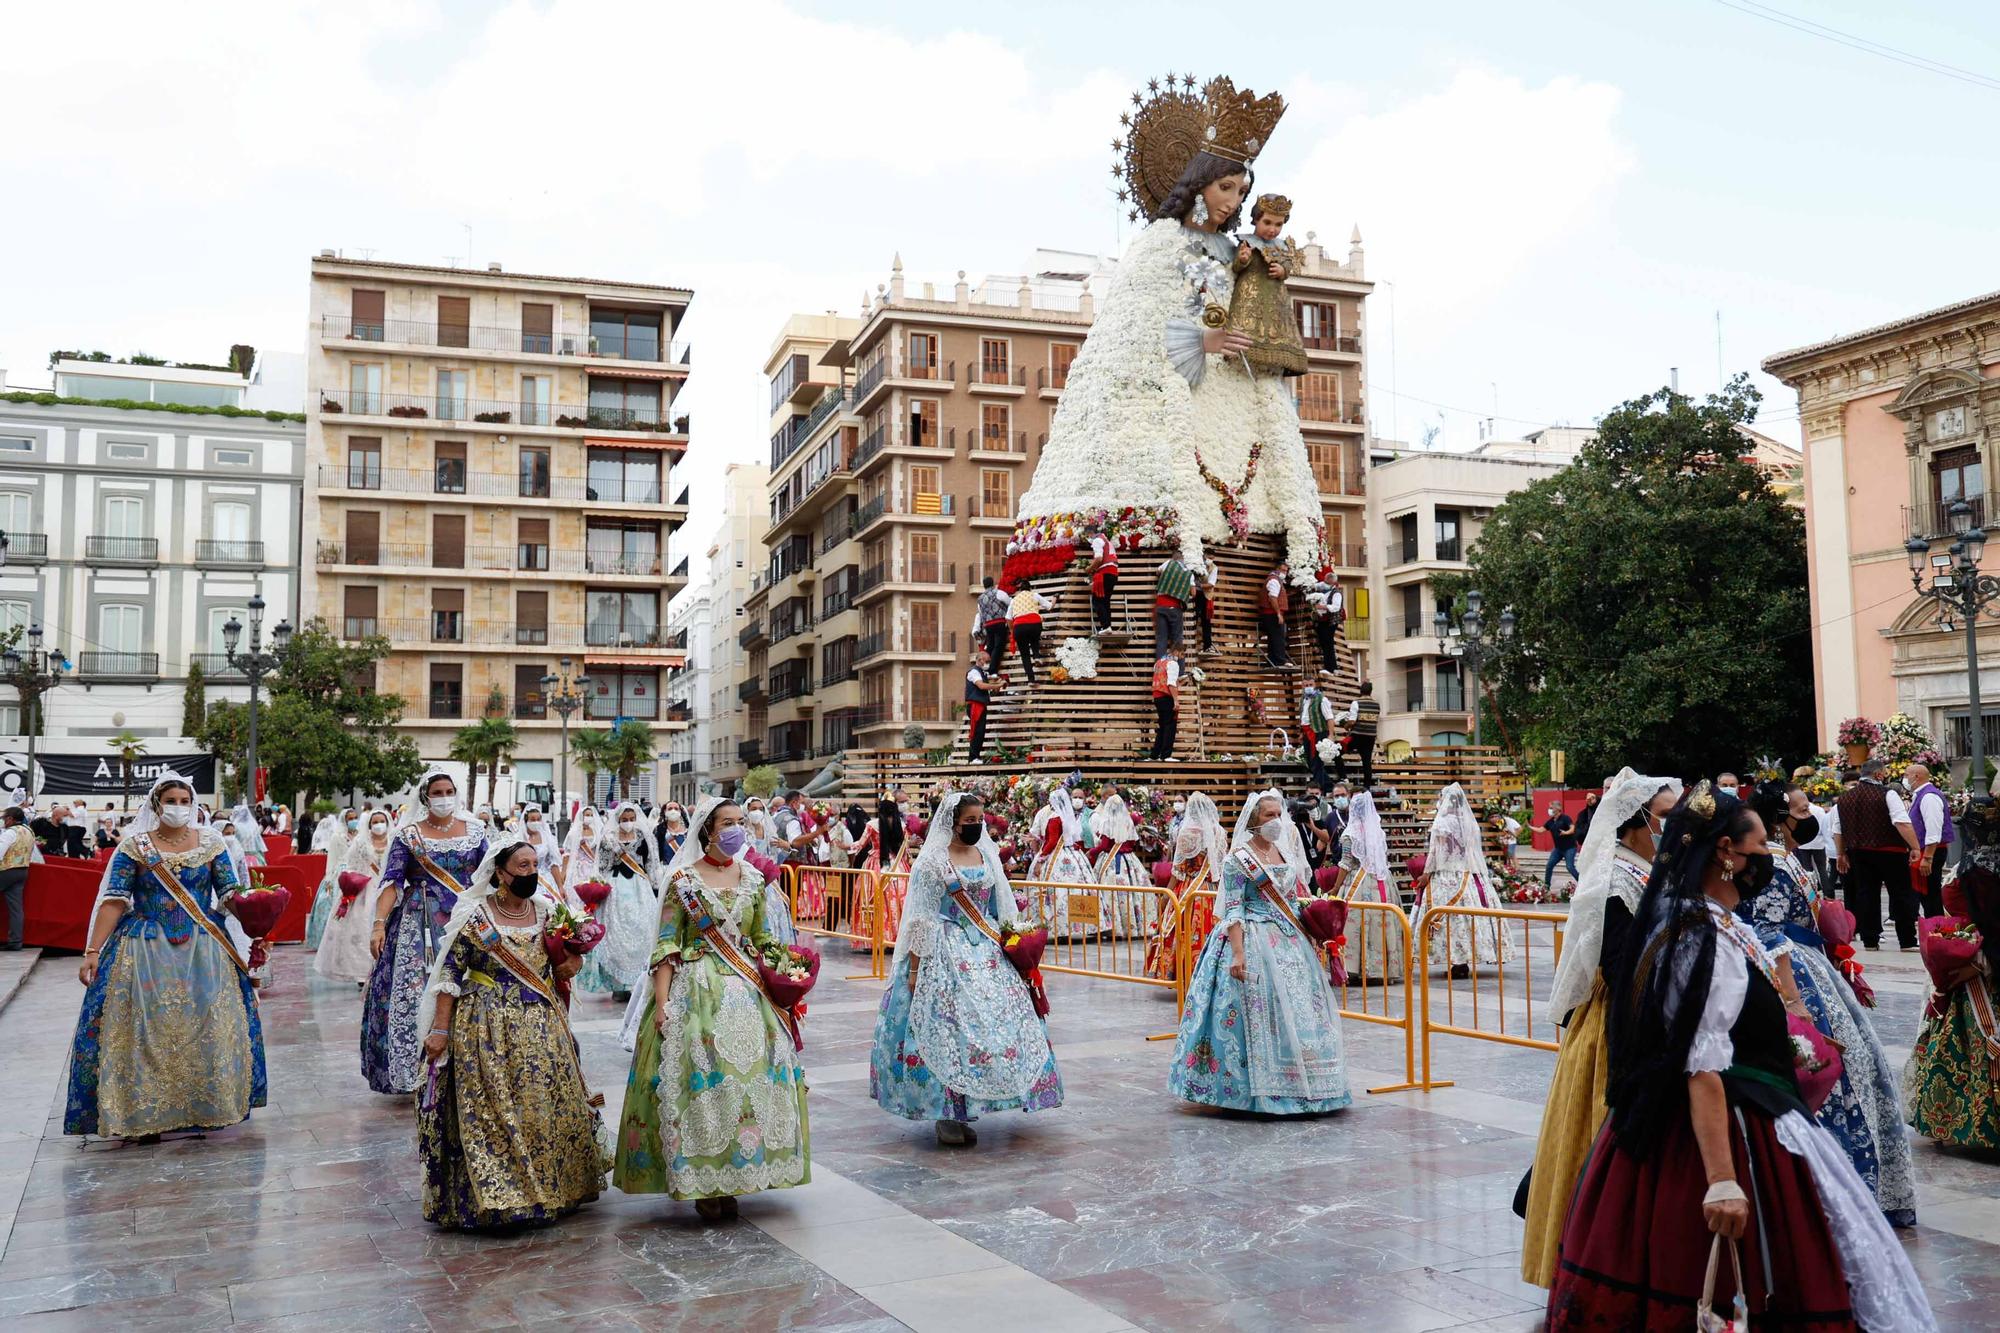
{"points": [[169, 1039], [432, 854], [1455, 865], [1709, 1133], [1864, 1112], [884, 854], [343, 951], [957, 1036], [1953, 1078], [329, 838], [1059, 859], [1617, 858], [716, 1103], [504, 1126], [628, 860], [1262, 1026], [1374, 952], [1199, 846]]}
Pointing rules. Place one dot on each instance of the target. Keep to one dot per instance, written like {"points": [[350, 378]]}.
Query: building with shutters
{"points": [[134, 534], [900, 441], [491, 489], [735, 557]]}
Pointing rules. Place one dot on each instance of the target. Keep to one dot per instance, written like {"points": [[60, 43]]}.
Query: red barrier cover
{"points": [[300, 874], [57, 900]]}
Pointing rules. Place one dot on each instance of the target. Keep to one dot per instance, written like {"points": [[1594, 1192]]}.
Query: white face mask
{"points": [[1271, 829], [442, 807], [177, 816], [379, 830]]}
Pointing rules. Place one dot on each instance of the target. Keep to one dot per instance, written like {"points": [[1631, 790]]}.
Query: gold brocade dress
{"points": [[1570, 1120], [506, 1134], [1260, 310]]}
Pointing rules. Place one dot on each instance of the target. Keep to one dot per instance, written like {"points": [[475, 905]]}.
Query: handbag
{"points": [[1280, 748], [1706, 1320]]}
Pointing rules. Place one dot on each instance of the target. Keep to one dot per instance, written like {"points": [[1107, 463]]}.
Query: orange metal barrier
{"points": [[1099, 930], [1465, 926], [837, 902]]}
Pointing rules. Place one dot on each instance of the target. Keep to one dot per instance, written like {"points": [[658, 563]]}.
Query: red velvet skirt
{"points": [[1635, 1247]]}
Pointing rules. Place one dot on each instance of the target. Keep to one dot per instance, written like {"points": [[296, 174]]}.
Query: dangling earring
{"points": [[1199, 214], [1728, 865]]}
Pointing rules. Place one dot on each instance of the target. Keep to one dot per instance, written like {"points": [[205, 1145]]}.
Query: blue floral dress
{"points": [[169, 1037], [969, 1042], [1270, 1043], [1863, 1113], [392, 1030]]}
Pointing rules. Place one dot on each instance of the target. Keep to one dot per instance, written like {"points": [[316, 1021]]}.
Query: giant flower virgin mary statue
{"points": [[1165, 436]]}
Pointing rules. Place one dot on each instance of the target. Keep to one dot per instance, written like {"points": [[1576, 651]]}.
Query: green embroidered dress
{"points": [[717, 1105]]}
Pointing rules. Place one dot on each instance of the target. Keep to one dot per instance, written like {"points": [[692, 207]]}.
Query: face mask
{"points": [[535, 825], [523, 886], [730, 841], [442, 807], [969, 834], [1340, 802], [379, 830], [1756, 873], [1807, 829], [177, 816], [353, 823], [1180, 809], [229, 833], [1271, 830], [1727, 791]]}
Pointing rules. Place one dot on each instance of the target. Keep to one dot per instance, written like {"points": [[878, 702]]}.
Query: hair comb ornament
{"points": [[1167, 126], [1701, 802]]}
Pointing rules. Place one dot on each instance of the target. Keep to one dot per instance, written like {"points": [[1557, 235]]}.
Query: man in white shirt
{"points": [[17, 849], [1103, 579], [1930, 819], [787, 827], [1166, 702], [1874, 845], [1328, 608]]}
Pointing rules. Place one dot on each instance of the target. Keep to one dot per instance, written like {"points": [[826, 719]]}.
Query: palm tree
{"points": [[129, 747], [633, 748], [595, 752], [488, 742]]}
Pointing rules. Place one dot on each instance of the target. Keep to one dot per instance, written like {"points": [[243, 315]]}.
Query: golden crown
{"points": [[1272, 206], [1169, 125]]}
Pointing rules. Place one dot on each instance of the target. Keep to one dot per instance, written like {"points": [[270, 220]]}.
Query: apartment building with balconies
{"points": [[690, 622], [135, 533], [1328, 299], [492, 489], [735, 564]]}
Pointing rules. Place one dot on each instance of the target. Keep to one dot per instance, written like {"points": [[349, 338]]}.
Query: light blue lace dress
{"points": [[968, 1042], [1863, 1112], [1270, 1043]]}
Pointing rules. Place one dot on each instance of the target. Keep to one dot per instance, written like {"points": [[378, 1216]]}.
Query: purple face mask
{"points": [[731, 840]]}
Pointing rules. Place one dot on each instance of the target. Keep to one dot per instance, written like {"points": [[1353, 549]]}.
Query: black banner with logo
{"points": [[101, 775]]}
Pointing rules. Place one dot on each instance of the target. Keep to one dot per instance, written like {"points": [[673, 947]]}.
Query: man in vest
{"points": [[1024, 615], [17, 849], [1103, 579], [1362, 717], [1930, 820], [980, 682], [1271, 621], [1170, 597], [1328, 609], [993, 624], [1315, 722], [1167, 701], [1874, 843]]}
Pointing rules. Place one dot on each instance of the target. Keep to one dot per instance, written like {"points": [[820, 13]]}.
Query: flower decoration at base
{"points": [[1078, 657]]}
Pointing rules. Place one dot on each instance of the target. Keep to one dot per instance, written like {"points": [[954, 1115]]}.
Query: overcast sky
{"points": [[1557, 199]]}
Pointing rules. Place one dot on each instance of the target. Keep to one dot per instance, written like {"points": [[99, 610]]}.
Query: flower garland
{"points": [[1234, 511]]}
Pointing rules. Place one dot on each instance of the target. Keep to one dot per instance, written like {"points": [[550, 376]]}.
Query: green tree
{"points": [[490, 741], [1659, 590], [129, 747], [595, 752], [633, 747], [762, 780], [325, 727], [194, 701]]}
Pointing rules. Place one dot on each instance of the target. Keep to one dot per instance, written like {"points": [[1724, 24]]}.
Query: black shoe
{"points": [[10, 948]]}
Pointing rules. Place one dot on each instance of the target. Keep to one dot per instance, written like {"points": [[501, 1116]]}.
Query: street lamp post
{"points": [[255, 664], [565, 695], [1961, 592], [1465, 641], [34, 674]]}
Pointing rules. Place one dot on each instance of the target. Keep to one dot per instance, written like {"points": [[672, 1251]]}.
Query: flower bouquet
{"points": [[786, 986], [568, 935], [1949, 946], [258, 909], [1024, 950], [1815, 1062], [1836, 927], [1325, 920], [592, 893], [350, 884]]}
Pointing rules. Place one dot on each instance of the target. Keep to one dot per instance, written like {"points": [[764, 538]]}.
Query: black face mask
{"points": [[1805, 830], [969, 834], [1756, 873], [523, 886]]}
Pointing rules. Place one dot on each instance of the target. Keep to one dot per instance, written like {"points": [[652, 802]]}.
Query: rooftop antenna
{"points": [[1674, 379]]}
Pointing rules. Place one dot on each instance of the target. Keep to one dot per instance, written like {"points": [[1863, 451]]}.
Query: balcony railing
{"points": [[871, 376], [832, 401], [497, 412], [215, 666], [529, 558], [978, 375], [1400, 553], [122, 550], [749, 751], [781, 631], [228, 553], [492, 485], [871, 511], [1047, 377], [118, 666], [1013, 443], [1933, 521], [28, 548], [870, 645], [836, 602], [1348, 555], [1448, 548], [751, 633], [603, 635], [487, 338], [834, 675], [871, 445], [790, 686]]}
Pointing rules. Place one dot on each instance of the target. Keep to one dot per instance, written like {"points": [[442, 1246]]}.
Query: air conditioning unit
{"points": [[569, 347]]}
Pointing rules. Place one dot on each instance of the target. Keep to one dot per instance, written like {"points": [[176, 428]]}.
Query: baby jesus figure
{"points": [[1258, 308]]}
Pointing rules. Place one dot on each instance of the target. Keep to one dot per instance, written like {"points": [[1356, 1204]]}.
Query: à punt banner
{"points": [[100, 774]]}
